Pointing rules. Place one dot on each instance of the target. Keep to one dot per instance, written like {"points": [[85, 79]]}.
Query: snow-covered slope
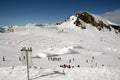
{"points": [[86, 19], [19, 73], [54, 40]]}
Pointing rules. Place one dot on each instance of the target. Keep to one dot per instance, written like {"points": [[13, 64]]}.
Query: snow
{"points": [[41, 55], [103, 73], [65, 41]]}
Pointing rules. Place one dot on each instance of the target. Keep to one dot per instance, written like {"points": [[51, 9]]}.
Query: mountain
{"points": [[85, 19]]}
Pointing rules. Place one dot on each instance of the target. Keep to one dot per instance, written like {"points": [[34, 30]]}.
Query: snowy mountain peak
{"points": [[86, 19]]}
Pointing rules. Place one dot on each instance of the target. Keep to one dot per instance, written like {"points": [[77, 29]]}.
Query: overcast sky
{"points": [[20, 12]]}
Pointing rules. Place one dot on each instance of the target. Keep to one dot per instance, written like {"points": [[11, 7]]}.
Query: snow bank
{"points": [[53, 51]]}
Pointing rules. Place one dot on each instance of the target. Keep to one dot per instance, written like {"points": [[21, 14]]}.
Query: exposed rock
{"points": [[77, 22], [115, 27], [88, 18]]}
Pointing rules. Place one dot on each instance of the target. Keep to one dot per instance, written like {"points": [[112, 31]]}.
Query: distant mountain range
{"points": [[82, 20]]}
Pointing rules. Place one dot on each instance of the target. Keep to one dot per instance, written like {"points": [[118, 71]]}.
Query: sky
{"points": [[21, 12]]}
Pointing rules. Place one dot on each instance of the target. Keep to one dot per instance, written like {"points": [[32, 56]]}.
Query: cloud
{"points": [[113, 16]]}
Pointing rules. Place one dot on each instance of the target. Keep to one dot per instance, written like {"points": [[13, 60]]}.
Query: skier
{"points": [[3, 58]]}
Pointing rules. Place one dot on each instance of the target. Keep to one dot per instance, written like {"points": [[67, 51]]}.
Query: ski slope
{"points": [[19, 73], [50, 40], [65, 41]]}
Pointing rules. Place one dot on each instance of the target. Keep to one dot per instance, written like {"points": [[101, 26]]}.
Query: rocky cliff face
{"points": [[96, 21]]}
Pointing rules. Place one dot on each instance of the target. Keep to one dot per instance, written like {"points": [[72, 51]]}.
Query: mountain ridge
{"points": [[81, 18]]}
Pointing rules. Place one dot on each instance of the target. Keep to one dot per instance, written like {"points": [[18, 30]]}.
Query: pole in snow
{"points": [[27, 64], [26, 58]]}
